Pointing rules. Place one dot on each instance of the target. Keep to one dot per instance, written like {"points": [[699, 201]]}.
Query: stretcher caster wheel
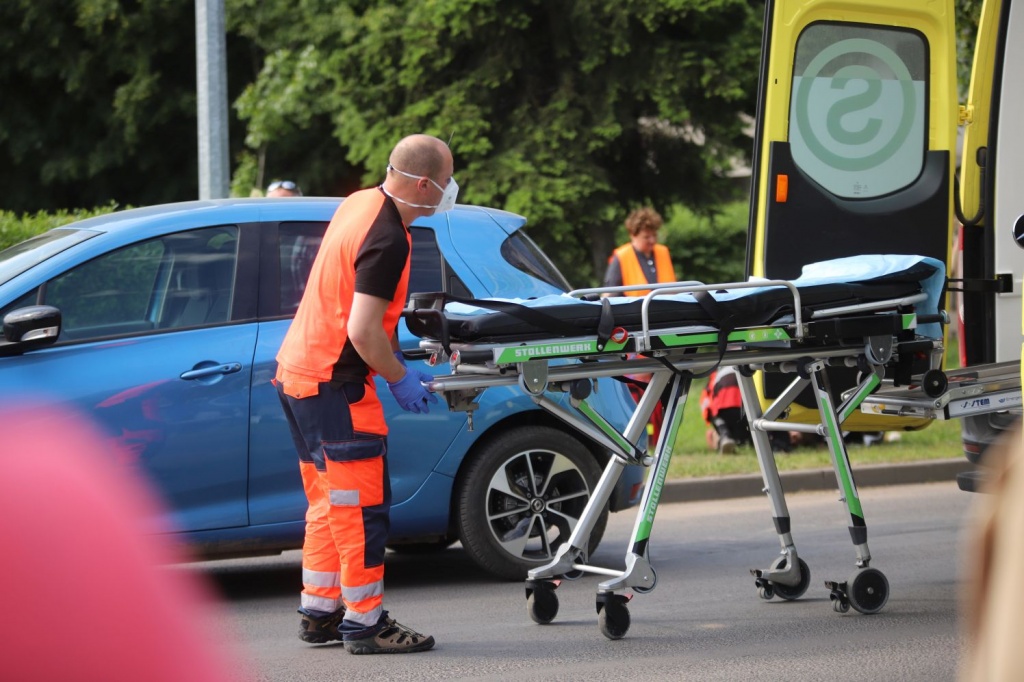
{"points": [[868, 590], [837, 595], [541, 600], [934, 382], [766, 591], [613, 615], [790, 592]]}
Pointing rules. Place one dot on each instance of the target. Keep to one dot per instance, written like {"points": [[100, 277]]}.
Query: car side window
{"points": [[176, 281], [298, 244], [428, 270]]}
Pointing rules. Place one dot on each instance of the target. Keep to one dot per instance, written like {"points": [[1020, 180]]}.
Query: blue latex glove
{"points": [[411, 394]]}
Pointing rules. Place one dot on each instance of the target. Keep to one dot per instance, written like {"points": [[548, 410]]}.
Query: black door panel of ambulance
{"points": [[826, 227], [854, 150]]}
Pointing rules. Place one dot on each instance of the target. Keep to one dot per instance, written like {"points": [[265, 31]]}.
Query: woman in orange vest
{"points": [[642, 261]]}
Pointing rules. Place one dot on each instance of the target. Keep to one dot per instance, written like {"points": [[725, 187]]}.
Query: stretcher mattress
{"points": [[853, 281]]}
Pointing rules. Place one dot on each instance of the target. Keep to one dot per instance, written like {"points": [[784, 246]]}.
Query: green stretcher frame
{"points": [[674, 357], [871, 337]]}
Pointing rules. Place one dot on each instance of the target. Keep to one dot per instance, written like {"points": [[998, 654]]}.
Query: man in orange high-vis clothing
{"points": [[642, 261], [342, 335]]}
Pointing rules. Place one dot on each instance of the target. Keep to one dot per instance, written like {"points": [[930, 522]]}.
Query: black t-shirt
{"points": [[381, 259]]}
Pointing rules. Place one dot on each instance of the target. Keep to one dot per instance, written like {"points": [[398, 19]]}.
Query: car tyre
{"points": [[521, 496]]}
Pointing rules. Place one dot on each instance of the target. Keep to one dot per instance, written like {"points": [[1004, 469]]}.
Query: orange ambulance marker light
{"points": [[781, 188]]}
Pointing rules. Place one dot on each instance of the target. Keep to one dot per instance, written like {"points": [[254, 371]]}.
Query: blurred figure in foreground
{"points": [[74, 554], [993, 602]]}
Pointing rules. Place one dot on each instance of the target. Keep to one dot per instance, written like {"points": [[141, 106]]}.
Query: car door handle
{"points": [[226, 368]]}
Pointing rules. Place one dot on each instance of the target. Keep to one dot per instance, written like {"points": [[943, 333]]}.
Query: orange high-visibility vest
{"points": [[632, 273], [319, 331]]}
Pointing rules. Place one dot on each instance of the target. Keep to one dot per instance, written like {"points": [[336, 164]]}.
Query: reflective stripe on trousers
{"points": [[345, 477]]}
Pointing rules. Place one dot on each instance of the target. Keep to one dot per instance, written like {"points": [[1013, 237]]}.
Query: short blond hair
{"points": [[641, 219]]}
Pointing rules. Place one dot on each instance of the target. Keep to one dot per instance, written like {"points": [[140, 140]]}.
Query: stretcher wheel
{"points": [[766, 591], [542, 604], [868, 590], [613, 616], [790, 592], [837, 593], [934, 383]]}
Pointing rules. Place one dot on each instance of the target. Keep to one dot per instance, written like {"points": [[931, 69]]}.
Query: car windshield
{"points": [[521, 252], [29, 253]]}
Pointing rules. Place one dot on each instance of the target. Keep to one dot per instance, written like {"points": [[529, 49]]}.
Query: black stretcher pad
{"points": [[511, 322]]}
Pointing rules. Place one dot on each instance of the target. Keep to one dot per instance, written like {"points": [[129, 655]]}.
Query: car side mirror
{"points": [[1018, 231], [30, 328]]}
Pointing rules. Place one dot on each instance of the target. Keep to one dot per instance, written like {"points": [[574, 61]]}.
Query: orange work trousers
{"points": [[345, 476]]}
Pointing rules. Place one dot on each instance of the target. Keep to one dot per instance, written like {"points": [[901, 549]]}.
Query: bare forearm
{"points": [[374, 345]]}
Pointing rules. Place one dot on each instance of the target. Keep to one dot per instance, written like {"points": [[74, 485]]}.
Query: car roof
{"points": [[216, 211]]}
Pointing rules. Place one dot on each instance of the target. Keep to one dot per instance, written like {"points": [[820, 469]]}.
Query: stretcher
{"points": [[879, 314]]}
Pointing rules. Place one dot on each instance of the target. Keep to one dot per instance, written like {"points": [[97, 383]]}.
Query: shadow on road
{"points": [[281, 575]]}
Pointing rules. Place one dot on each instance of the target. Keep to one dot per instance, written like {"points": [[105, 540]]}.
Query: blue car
{"points": [[162, 324]]}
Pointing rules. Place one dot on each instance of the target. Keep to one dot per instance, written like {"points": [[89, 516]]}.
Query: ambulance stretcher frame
{"points": [[871, 335]]}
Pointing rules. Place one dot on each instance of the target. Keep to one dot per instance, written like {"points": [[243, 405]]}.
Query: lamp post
{"points": [[212, 98]]}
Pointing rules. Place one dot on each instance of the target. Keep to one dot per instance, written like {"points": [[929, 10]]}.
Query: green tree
{"points": [[99, 102], [569, 113]]}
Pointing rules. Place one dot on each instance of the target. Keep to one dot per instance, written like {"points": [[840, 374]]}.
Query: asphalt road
{"points": [[704, 620]]}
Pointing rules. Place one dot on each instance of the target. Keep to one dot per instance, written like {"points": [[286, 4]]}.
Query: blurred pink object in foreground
{"points": [[82, 596]]}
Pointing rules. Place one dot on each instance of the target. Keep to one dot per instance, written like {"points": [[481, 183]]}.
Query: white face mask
{"points": [[448, 194]]}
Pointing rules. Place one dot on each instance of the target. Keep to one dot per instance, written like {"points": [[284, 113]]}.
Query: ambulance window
{"points": [[858, 109]]}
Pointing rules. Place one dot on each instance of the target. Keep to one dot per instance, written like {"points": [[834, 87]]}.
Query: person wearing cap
{"points": [[342, 336], [283, 188]]}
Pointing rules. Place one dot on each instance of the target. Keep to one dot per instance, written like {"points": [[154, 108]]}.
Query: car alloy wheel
{"points": [[522, 496]]}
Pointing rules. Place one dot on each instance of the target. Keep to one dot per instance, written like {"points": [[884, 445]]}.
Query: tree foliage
{"points": [[99, 102], [15, 228], [569, 113]]}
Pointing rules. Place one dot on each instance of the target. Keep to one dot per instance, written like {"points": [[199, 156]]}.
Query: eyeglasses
{"points": [[282, 184]]}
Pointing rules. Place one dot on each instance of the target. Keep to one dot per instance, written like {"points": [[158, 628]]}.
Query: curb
{"points": [[750, 485]]}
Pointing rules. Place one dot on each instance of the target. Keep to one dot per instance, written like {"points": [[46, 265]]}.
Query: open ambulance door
{"points": [[854, 146], [991, 208]]}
